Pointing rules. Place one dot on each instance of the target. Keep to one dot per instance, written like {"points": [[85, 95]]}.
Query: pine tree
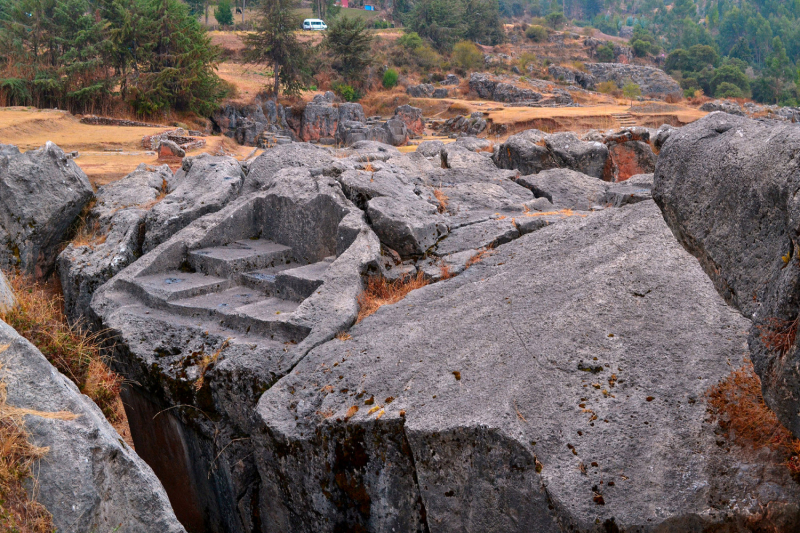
{"points": [[275, 43], [350, 43]]}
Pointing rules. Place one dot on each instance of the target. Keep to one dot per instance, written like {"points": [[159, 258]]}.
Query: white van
{"points": [[314, 24]]}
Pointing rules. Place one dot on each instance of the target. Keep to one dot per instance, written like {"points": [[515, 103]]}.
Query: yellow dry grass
{"points": [[443, 200], [381, 291], [75, 352], [742, 413], [18, 512]]}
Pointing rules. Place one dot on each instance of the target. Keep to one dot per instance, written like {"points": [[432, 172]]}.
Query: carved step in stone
{"points": [[263, 279], [176, 285], [238, 256], [301, 282]]}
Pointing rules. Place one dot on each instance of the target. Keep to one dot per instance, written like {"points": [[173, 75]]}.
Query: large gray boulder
{"points": [[262, 170], [530, 393], [409, 227], [118, 223], [635, 189], [89, 480], [589, 158], [206, 184], [566, 189], [499, 89], [526, 151], [727, 187], [320, 118], [41, 194]]}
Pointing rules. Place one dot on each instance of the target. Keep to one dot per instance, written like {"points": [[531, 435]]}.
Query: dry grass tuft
{"points": [[206, 361], [443, 200], [743, 414], [343, 336], [381, 291], [563, 212], [18, 512], [779, 335], [477, 258], [73, 351], [445, 272], [369, 168]]}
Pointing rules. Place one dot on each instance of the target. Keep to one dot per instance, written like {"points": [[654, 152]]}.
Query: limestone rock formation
{"points": [[423, 90], [41, 194], [411, 117], [630, 153], [205, 184], [89, 480], [320, 118], [651, 80], [246, 124], [727, 187], [635, 189], [117, 227], [529, 393], [532, 151], [489, 87], [566, 189]]}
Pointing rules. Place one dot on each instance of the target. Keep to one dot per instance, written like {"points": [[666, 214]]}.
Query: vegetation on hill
{"points": [[90, 55]]}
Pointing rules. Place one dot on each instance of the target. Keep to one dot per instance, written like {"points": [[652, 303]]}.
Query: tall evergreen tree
{"points": [[351, 45], [274, 42]]}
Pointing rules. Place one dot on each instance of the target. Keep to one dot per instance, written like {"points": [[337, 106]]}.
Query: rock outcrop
{"points": [[41, 194], [493, 402], [320, 118], [566, 189], [490, 87], [205, 184], [723, 105], [651, 80], [115, 229], [89, 479], [411, 117], [533, 151], [247, 124], [727, 186]]}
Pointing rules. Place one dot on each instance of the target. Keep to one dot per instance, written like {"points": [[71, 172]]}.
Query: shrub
{"points": [[526, 59], [426, 57], [536, 34], [555, 20], [631, 90], [605, 53], [607, 87], [640, 48], [467, 56], [347, 92], [411, 40], [223, 13], [390, 78], [728, 90]]}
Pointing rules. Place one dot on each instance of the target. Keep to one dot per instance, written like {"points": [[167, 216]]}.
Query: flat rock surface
{"points": [[566, 189], [556, 385], [89, 480]]}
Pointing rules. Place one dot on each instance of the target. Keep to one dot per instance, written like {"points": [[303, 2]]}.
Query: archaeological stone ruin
{"points": [[578, 296]]}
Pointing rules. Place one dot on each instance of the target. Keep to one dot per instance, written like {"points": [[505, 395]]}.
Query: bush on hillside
{"points": [[467, 56], [390, 78], [536, 33], [223, 13]]}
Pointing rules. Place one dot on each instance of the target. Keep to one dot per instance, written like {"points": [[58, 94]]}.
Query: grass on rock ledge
{"points": [[77, 354]]}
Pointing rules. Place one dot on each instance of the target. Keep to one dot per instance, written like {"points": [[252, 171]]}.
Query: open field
{"points": [[106, 153]]}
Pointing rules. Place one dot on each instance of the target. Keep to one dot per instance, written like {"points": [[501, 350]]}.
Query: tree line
{"points": [[92, 55]]}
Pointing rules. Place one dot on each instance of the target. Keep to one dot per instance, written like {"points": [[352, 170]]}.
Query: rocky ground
{"points": [[551, 373]]}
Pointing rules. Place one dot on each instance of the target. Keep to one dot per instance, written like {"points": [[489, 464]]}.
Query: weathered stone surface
{"points": [[491, 232], [489, 87], [411, 117], [320, 118], [169, 150], [89, 480], [7, 299], [475, 144], [262, 170], [725, 106], [662, 134], [565, 188], [118, 221], [258, 283], [205, 184], [246, 123], [408, 227], [451, 79], [727, 187], [473, 400], [430, 148], [589, 158], [471, 125], [631, 158], [423, 90], [526, 151], [651, 80], [573, 76], [41, 193], [635, 189]]}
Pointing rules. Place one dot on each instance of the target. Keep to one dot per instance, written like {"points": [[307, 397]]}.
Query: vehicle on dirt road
{"points": [[314, 24]]}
